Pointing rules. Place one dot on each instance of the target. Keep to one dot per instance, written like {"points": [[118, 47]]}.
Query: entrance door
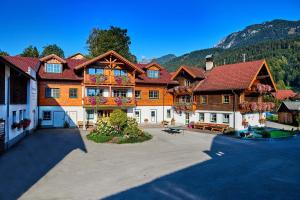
{"points": [[187, 118], [153, 116], [137, 115], [58, 119], [103, 113], [72, 118]]}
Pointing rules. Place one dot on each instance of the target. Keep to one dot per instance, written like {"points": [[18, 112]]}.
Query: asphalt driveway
{"points": [[62, 164]]}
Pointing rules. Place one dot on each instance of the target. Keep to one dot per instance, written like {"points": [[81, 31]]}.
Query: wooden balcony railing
{"points": [[184, 106], [248, 107], [109, 101], [108, 80]]}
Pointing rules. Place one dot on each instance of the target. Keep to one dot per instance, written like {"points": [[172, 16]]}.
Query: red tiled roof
{"points": [[283, 94], [22, 63], [164, 76], [193, 71], [68, 71], [231, 76]]}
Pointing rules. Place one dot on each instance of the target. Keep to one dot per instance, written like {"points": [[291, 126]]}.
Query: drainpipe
{"points": [[233, 107], [7, 111]]}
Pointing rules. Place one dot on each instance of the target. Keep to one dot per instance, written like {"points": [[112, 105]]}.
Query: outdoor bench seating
{"points": [[211, 126], [88, 124]]}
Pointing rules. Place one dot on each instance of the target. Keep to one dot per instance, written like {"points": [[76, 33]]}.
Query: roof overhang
{"points": [[53, 56], [185, 68], [107, 54]]}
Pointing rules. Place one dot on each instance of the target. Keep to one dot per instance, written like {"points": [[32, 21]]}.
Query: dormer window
{"points": [[53, 68], [153, 73]]}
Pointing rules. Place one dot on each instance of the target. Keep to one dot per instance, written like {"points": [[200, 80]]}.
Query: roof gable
{"points": [[109, 53], [77, 56], [233, 76], [194, 72], [52, 56]]}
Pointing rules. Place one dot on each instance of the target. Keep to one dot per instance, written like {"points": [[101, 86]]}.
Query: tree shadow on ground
{"points": [[238, 169], [31, 159]]}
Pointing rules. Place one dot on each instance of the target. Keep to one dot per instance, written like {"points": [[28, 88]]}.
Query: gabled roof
{"points": [[88, 62], [152, 64], [291, 105], [193, 71], [67, 74], [232, 76], [164, 76], [77, 54], [283, 94], [22, 63], [52, 56]]}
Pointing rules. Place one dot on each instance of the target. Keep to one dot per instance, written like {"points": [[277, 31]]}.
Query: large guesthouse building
{"points": [[76, 91]]}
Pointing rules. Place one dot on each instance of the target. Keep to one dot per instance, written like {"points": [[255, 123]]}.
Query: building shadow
{"points": [[33, 157], [238, 169]]}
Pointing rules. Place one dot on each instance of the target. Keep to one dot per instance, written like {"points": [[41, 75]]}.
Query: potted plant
{"points": [[146, 120], [15, 125], [26, 123]]}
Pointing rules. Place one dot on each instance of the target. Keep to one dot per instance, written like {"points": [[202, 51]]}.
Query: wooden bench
{"points": [[211, 127], [88, 124]]}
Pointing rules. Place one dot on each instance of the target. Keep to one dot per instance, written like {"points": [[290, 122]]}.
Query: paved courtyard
{"points": [[62, 164]]}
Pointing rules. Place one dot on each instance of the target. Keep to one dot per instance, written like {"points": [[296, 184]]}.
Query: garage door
{"points": [[58, 119]]}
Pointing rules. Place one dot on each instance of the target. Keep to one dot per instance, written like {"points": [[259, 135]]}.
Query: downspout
{"points": [[7, 111], [233, 107]]}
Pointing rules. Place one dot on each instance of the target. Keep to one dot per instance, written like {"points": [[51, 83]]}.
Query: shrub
{"points": [[229, 131], [118, 119], [104, 127], [265, 134]]}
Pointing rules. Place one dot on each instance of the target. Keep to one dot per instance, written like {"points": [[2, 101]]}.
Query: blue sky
{"points": [[156, 27]]}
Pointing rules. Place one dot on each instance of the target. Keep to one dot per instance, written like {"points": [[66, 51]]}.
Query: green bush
{"points": [[229, 131], [118, 119], [98, 137], [265, 134], [104, 127]]}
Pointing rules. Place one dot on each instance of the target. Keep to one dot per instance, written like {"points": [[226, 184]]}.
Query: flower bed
{"points": [[118, 128]]}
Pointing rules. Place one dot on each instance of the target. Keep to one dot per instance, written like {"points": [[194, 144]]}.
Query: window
{"points": [[203, 99], [226, 118], [73, 93], [226, 99], [153, 73], [24, 114], [213, 117], [187, 83], [90, 114], [138, 94], [153, 94], [53, 68], [46, 115], [120, 72], [94, 71], [185, 99], [201, 117], [20, 115], [91, 92], [120, 93], [52, 93], [169, 113], [14, 118]]}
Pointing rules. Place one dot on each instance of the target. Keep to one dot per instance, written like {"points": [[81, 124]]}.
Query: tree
{"points": [[53, 49], [30, 51], [281, 85], [100, 41], [118, 119], [3, 53]]}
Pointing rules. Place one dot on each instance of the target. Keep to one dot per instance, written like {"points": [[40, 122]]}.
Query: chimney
{"points": [[209, 62]]}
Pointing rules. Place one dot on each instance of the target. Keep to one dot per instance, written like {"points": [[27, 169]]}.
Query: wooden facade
{"points": [[18, 87]]}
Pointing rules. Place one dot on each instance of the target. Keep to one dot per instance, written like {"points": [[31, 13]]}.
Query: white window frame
{"points": [[169, 114], [153, 94], [200, 118], [212, 117], [153, 73], [138, 96], [226, 102], [55, 68], [120, 93], [226, 122]]}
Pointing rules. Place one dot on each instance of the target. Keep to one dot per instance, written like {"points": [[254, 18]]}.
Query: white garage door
{"points": [[58, 119]]}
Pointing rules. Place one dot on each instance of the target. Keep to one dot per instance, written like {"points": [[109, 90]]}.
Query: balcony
{"points": [[105, 102], [250, 107], [184, 106], [108, 80]]}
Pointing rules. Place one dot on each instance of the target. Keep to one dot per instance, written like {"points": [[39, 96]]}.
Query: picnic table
{"points": [[175, 129]]}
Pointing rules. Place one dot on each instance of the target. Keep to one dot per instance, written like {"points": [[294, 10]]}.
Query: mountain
{"points": [[164, 59], [273, 30], [281, 49]]}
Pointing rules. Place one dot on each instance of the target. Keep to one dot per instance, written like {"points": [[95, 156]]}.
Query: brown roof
{"points": [[53, 56], [193, 71], [283, 94], [164, 76], [22, 63], [231, 76]]}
